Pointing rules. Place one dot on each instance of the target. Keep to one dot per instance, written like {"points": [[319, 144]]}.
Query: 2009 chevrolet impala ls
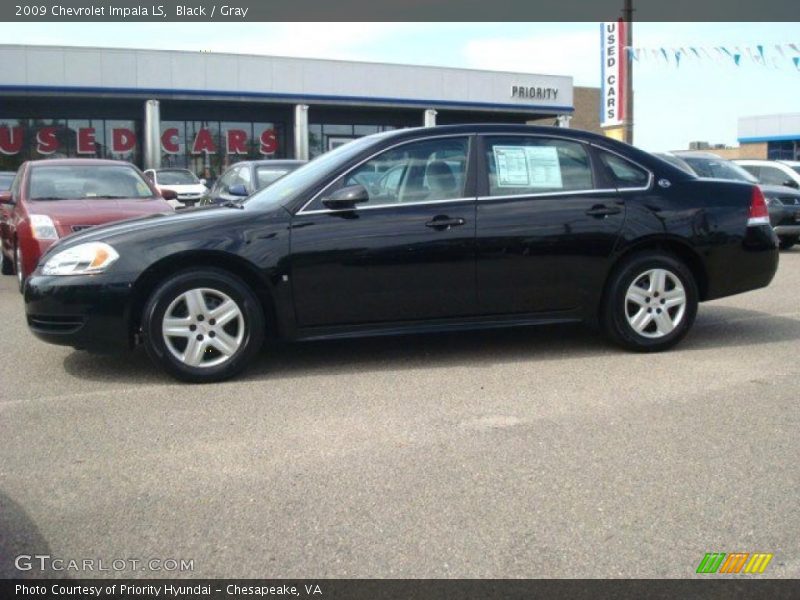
{"points": [[414, 231]]}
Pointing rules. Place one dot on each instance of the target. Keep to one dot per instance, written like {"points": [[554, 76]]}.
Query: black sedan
{"points": [[417, 230], [247, 177]]}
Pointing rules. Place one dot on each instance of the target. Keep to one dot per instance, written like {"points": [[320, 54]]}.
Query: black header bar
{"points": [[406, 589], [400, 10]]}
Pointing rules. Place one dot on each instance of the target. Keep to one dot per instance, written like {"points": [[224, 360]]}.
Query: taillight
{"points": [[759, 215]]}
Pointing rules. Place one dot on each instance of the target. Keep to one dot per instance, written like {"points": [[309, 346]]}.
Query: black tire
{"points": [[616, 309], [787, 242], [216, 280], [8, 265]]}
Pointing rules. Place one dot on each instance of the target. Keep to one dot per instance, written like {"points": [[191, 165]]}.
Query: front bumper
{"points": [[83, 311]]}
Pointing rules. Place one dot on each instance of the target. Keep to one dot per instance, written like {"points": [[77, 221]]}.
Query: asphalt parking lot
{"points": [[520, 453]]}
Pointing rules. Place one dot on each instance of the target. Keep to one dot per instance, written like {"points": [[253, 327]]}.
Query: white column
{"points": [[301, 132], [563, 120], [429, 118], [152, 134]]}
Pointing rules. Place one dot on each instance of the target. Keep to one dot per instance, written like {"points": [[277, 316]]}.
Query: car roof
{"points": [[697, 154], [275, 163], [765, 161], [78, 162]]}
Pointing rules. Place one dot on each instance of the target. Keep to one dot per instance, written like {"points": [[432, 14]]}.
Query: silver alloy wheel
{"points": [[655, 303], [203, 327]]}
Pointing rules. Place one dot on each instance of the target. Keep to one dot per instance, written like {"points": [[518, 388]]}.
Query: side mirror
{"points": [[238, 190], [346, 197], [168, 194], [791, 183], [5, 197], [203, 181]]}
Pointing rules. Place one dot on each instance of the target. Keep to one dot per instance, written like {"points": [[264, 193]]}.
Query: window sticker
{"points": [[512, 166], [528, 166]]}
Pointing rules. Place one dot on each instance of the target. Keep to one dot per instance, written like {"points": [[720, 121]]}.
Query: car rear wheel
{"points": [[651, 302], [787, 242], [203, 325]]}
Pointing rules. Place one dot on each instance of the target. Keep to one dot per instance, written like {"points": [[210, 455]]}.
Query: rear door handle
{"points": [[442, 222], [603, 211]]}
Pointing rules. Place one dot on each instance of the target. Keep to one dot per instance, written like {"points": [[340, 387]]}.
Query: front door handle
{"points": [[601, 210], [443, 222]]}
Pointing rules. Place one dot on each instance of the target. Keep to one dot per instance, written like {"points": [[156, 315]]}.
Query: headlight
{"points": [[43, 227], [773, 201], [91, 257]]}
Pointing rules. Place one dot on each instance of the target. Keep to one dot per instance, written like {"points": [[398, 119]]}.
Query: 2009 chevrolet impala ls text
{"points": [[414, 231]]}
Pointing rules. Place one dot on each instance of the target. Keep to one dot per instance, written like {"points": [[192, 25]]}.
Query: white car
{"points": [[773, 172], [189, 188]]}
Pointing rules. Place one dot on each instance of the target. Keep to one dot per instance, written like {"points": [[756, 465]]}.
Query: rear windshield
{"points": [[176, 177], [71, 182], [718, 168]]}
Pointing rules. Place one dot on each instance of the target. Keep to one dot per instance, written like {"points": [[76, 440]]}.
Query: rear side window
{"points": [[519, 166], [623, 173], [773, 176]]}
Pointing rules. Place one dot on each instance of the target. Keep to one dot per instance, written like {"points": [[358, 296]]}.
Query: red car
{"points": [[51, 199]]}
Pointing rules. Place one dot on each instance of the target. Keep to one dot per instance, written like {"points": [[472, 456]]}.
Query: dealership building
{"points": [[204, 111]]}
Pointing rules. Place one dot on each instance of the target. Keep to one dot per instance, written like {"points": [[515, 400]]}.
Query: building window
{"points": [[324, 136], [209, 147], [789, 150]]}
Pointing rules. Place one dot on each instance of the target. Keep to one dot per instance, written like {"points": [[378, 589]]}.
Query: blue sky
{"points": [[700, 100]]}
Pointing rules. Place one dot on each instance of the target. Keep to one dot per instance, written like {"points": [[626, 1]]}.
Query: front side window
{"points": [[519, 166], [90, 182], [416, 172], [622, 173], [227, 180]]}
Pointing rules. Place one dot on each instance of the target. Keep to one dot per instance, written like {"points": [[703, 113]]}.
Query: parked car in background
{"points": [[55, 198], [773, 172], [783, 202], [247, 177], [189, 188], [6, 177], [487, 226]]}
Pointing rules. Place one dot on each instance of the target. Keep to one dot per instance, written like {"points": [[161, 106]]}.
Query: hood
{"points": [[162, 225], [71, 214]]}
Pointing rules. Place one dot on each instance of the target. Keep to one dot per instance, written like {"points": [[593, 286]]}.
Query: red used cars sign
{"points": [[123, 140]]}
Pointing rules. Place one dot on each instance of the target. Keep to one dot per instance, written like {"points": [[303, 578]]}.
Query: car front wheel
{"points": [[203, 325], [651, 302], [787, 242]]}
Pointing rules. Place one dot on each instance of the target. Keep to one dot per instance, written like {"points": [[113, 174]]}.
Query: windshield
{"points": [[176, 177], [285, 188], [718, 168], [268, 175], [72, 182], [5, 181]]}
